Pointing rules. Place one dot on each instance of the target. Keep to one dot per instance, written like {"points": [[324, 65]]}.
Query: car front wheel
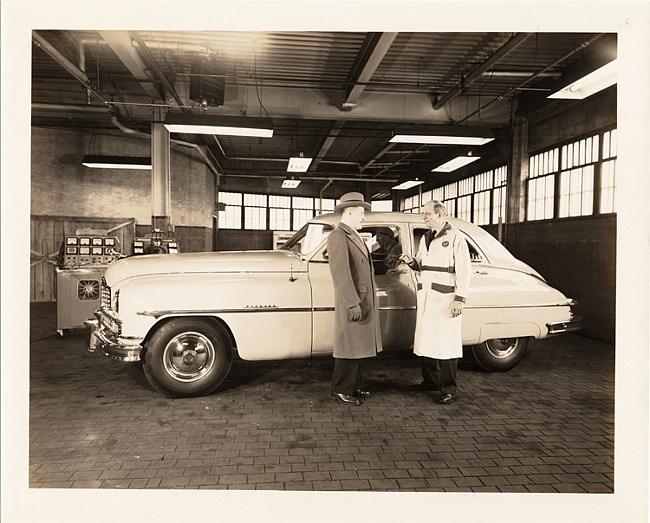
{"points": [[188, 357], [500, 354]]}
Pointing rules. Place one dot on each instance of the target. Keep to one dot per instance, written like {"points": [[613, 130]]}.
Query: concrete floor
{"points": [[547, 426]]}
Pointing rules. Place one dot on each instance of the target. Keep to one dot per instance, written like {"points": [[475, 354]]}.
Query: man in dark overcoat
{"points": [[357, 334]]}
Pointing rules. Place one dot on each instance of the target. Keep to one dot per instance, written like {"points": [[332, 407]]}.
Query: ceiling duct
{"points": [[208, 83]]}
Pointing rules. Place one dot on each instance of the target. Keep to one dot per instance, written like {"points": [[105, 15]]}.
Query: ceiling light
{"points": [[407, 184], [298, 165], [221, 125], [589, 84], [116, 162], [290, 183], [439, 139], [456, 163]]}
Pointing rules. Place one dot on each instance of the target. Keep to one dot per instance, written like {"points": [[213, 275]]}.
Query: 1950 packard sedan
{"points": [[184, 315]]}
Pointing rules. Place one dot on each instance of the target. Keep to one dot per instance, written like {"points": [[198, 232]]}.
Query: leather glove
{"points": [[355, 313]]}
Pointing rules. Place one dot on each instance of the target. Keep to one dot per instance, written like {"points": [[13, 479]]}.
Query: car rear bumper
{"points": [[98, 340], [560, 327]]}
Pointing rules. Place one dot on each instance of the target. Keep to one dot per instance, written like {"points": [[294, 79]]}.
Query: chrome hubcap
{"points": [[502, 347], [189, 356]]}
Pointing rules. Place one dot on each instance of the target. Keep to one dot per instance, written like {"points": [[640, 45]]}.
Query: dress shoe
{"points": [[447, 398], [362, 393], [346, 399]]}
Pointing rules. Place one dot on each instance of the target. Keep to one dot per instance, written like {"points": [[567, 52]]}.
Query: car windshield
{"points": [[307, 238]]}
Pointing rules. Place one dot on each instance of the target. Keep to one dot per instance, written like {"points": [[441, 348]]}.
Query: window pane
{"points": [[300, 217], [230, 218], [279, 219], [499, 205], [608, 187], [382, 205]]}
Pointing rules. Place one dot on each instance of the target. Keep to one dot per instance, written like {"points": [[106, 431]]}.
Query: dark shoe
{"points": [[362, 393], [346, 399], [447, 398]]}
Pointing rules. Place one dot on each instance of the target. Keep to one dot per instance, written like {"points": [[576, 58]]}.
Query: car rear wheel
{"points": [[188, 357], [500, 354]]}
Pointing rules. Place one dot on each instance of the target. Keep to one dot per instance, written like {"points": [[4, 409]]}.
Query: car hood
{"points": [[202, 262]]}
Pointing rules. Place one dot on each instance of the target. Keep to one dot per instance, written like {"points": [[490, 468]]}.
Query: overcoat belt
{"points": [[354, 284]]}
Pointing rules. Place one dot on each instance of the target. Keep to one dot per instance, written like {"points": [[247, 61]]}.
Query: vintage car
{"points": [[184, 315]]}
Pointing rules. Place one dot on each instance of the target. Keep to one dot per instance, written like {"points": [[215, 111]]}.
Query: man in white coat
{"points": [[443, 263]]}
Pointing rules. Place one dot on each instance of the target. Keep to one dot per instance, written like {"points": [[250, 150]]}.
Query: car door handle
{"points": [[398, 271], [481, 272]]}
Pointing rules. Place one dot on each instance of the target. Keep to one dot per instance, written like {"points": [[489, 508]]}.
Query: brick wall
{"points": [[578, 257], [61, 186]]}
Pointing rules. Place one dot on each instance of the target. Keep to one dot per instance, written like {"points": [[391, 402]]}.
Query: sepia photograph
{"points": [[298, 261]]}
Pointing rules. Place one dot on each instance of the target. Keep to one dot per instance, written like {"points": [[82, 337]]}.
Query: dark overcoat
{"points": [[354, 284]]}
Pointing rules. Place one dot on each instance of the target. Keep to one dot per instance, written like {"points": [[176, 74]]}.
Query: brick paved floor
{"points": [[546, 426]]}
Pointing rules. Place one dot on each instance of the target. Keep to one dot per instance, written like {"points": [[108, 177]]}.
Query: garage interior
{"points": [[544, 185]]}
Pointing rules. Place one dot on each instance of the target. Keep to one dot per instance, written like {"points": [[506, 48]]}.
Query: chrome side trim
{"points": [[247, 310], [202, 312], [527, 306]]}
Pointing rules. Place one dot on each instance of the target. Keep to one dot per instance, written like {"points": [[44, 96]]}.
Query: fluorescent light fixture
{"points": [[116, 162], [290, 183], [298, 165], [439, 139], [589, 84], [221, 125], [408, 184], [456, 163]]}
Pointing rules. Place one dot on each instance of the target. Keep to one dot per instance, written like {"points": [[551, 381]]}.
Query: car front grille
{"points": [[105, 301]]}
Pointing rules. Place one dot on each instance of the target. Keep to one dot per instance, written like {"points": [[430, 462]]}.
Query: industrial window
{"points": [[326, 204], [499, 195], [577, 177], [438, 194], [582, 174], [230, 217], [608, 173], [482, 185], [464, 200], [303, 211], [541, 185], [279, 213], [255, 211], [411, 204], [381, 205]]}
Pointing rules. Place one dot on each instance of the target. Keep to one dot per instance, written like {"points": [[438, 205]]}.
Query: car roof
{"points": [[496, 252]]}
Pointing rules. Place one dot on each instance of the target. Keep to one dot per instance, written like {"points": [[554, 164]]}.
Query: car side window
{"points": [[386, 246]]}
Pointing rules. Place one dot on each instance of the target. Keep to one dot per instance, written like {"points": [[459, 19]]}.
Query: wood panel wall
{"points": [[46, 236]]}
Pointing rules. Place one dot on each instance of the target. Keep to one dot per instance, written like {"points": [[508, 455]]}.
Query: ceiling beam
{"points": [[495, 58], [372, 62], [120, 43]]}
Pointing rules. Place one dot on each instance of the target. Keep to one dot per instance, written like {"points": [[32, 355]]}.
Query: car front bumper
{"points": [[98, 339]]}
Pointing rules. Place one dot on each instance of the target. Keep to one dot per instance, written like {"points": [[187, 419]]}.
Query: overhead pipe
{"points": [[67, 65], [500, 53], [532, 77]]}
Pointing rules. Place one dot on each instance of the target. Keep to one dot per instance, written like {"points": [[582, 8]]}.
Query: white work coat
{"points": [[444, 269]]}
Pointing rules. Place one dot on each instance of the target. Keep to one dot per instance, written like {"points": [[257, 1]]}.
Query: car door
{"points": [[395, 294]]}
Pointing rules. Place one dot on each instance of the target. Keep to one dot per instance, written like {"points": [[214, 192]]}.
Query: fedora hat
{"points": [[351, 199]]}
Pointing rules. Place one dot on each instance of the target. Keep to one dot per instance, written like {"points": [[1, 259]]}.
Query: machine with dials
{"points": [[83, 258]]}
